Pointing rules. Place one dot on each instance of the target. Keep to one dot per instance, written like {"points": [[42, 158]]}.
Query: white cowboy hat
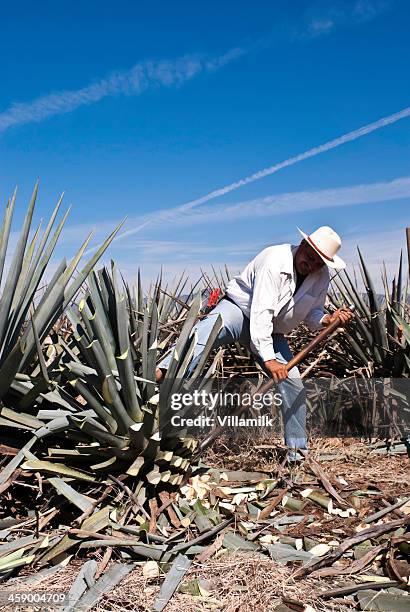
{"points": [[326, 243]]}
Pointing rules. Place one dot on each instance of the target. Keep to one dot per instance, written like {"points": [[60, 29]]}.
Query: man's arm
{"points": [[266, 289]]}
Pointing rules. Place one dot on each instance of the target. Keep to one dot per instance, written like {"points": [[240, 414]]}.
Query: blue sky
{"points": [[136, 108]]}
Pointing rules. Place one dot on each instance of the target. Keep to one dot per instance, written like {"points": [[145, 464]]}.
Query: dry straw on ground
{"points": [[242, 581]]}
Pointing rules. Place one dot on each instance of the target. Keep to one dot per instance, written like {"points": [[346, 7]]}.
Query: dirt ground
{"points": [[239, 582]]}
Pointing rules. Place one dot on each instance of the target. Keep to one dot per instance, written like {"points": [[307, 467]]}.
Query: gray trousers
{"points": [[235, 328]]}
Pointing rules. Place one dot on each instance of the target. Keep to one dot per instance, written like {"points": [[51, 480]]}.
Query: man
{"points": [[282, 286]]}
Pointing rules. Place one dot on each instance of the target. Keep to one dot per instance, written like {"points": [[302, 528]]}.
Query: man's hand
{"points": [[277, 370], [344, 315]]}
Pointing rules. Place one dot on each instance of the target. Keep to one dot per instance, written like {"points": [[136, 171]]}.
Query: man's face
{"points": [[307, 260]]}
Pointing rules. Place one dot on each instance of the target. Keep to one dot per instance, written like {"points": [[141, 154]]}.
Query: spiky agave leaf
{"points": [[374, 338], [18, 343]]}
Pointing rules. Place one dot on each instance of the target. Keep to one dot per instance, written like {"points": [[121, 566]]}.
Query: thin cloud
{"points": [[366, 10], [301, 201], [322, 20], [150, 74], [268, 206], [142, 76], [319, 27]]}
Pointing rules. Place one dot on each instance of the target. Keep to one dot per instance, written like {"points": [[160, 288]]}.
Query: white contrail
{"points": [[327, 146], [169, 214], [139, 78], [267, 206], [298, 201]]}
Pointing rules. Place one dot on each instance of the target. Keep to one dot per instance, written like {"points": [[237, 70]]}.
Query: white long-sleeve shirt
{"points": [[265, 292]]}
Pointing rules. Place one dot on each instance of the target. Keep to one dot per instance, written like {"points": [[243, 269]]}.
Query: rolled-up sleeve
{"points": [[266, 290]]}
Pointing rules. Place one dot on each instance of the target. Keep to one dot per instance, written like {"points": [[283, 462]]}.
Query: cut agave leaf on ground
{"points": [[375, 601], [84, 580], [81, 501], [105, 584], [16, 544], [57, 468], [284, 553], [233, 541], [95, 523], [172, 580], [13, 464], [15, 560]]}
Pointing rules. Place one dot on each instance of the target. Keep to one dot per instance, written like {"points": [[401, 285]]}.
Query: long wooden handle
{"points": [[301, 356], [319, 339]]}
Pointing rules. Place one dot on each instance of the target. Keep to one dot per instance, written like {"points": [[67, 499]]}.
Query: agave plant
{"points": [[105, 417], [111, 364], [22, 325], [376, 343], [105, 412]]}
